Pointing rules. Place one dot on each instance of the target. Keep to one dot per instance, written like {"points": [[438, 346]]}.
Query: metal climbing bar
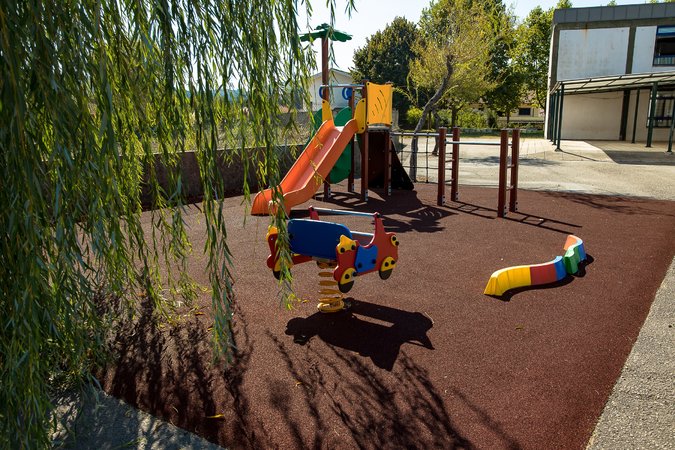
{"points": [[407, 133], [472, 143], [341, 212], [342, 85]]}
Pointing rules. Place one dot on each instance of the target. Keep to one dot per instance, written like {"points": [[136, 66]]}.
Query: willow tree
{"points": [[453, 54], [92, 95]]}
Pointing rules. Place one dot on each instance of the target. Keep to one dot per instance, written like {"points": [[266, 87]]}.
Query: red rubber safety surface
{"points": [[423, 359]]}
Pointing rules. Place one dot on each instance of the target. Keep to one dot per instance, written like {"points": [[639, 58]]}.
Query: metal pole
{"points": [[324, 67], [549, 127], [652, 110], [554, 117], [503, 153], [326, 97], [515, 155], [560, 119], [387, 164], [350, 180], [364, 150], [672, 125], [454, 193], [440, 199], [637, 104]]}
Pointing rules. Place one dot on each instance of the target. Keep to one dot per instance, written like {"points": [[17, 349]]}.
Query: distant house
{"points": [[528, 114], [337, 101], [612, 73]]}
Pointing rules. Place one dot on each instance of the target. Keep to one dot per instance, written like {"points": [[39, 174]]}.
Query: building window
{"points": [[524, 111], [663, 112], [664, 47]]}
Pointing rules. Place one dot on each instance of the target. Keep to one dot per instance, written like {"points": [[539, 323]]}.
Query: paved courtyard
{"points": [[598, 167]]}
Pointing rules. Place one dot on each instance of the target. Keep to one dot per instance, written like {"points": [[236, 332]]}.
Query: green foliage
{"points": [[531, 53], [91, 93], [509, 89], [413, 115], [469, 118], [386, 57], [456, 39]]}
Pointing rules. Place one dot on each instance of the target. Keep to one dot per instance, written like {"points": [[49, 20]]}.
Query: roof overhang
{"points": [[614, 83]]}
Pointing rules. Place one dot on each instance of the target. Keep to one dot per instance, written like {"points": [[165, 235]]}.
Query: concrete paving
{"points": [[640, 412]]}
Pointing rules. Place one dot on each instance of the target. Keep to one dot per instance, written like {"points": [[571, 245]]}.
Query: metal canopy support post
{"points": [[551, 122], [652, 110], [623, 130], [560, 118], [637, 105], [672, 125]]}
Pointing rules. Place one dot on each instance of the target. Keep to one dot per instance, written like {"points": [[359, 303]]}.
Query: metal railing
{"points": [[429, 163]]}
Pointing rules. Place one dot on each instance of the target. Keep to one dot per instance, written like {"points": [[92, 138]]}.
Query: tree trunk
{"points": [[455, 113], [437, 124], [430, 104]]}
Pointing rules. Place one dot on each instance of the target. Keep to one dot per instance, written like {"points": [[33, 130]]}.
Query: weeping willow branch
{"points": [[91, 94]]}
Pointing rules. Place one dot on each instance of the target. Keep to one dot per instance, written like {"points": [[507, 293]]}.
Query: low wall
{"points": [[230, 168]]}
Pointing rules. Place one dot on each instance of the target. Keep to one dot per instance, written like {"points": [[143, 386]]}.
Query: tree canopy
{"points": [[92, 94], [387, 56], [531, 52]]}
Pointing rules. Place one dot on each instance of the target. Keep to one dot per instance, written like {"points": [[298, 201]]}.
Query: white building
{"points": [[612, 73], [337, 101]]}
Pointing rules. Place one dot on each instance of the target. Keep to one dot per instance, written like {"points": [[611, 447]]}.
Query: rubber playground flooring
{"points": [[423, 359]]}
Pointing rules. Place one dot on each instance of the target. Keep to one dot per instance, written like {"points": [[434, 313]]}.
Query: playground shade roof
{"points": [[324, 30], [614, 83]]}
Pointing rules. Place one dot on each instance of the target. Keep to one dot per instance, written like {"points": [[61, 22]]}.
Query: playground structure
{"points": [[348, 254], [539, 274], [371, 121], [508, 164]]}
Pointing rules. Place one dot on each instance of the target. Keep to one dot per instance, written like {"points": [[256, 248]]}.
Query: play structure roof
{"points": [[614, 83], [325, 30]]}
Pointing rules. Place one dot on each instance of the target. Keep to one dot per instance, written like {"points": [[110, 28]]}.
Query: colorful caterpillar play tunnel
{"points": [[538, 274]]}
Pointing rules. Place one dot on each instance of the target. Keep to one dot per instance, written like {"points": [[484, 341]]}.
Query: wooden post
{"points": [[515, 155], [350, 180], [454, 191], [364, 150], [503, 154], [387, 164], [440, 199]]}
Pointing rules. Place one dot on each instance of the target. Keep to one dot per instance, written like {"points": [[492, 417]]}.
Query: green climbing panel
{"points": [[344, 164]]}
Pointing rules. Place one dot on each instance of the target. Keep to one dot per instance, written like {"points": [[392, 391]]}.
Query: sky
{"points": [[374, 15]]}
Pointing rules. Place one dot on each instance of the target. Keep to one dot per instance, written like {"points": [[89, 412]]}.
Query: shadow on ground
{"points": [[645, 158], [351, 330]]}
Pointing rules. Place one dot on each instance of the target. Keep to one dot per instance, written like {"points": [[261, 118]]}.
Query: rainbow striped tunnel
{"points": [[538, 274]]}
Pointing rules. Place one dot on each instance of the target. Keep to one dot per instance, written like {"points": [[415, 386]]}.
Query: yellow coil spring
{"points": [[330, 297]]}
